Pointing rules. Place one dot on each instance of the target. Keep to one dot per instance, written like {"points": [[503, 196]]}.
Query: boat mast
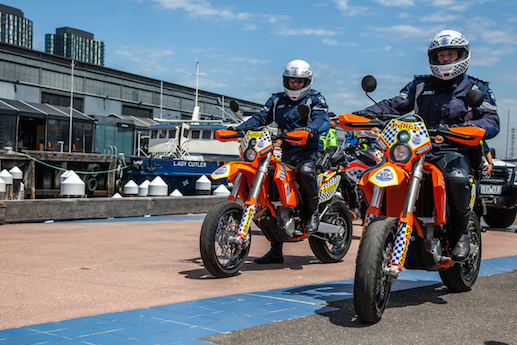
{"points": [[195, 113]]}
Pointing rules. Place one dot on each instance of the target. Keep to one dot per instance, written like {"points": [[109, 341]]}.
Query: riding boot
{"points": [[274, 256], [313, 221], [461, 250]]}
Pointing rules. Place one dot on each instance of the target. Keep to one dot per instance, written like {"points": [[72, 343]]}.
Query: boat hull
{"points": [[178, 174]]}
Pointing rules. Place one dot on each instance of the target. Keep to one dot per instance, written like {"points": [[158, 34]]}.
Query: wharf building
{"points": [[111, 112], [29, 78], [76, 45], [14, 28]]}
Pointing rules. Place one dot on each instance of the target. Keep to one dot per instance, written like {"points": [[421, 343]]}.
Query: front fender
{"points": [[387, 175], [231, 169]]}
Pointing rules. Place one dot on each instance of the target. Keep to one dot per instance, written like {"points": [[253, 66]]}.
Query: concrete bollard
{"points": [[8, 179], [17, 175], [203, 186], [158, 187], [143, 189], [222, 191], [131, 188], [73, 185], [176, 193]]}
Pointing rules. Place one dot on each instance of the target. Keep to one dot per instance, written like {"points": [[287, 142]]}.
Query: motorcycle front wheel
{"points": [[462, 276], [372, 285], [331, 248], [221, 255]]}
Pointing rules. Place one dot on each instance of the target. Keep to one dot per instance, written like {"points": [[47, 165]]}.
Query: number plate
{"points": [[494, 190]]}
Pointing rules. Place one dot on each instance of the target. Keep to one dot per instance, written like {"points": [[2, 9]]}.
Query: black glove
{"points": [[311, 131], [364, 113]]}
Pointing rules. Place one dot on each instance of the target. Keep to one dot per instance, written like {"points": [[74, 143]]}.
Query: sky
{"points": [[242, 46]]}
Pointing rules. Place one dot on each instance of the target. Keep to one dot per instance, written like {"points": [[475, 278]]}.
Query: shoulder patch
{"points": [[313, 92], [476, 79], [422, 76]]}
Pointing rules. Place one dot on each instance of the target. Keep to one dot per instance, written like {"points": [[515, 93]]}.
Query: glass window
{"points": [[163, 133], [195, 134], [172, 133], [185, 133], [154, 134], [207, 134]]}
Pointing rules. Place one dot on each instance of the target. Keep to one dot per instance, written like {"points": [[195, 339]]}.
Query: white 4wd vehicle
{"points": [[499, 191]]}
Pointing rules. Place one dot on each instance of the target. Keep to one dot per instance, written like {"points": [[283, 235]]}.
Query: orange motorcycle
{"points": [[406, 222], [268, 190]]}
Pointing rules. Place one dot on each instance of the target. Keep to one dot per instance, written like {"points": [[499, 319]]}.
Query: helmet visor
{"points": [[293, 83], [434, 60]]}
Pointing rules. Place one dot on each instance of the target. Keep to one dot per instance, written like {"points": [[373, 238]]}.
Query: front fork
{"points": [[251, 203], [405, 221]]}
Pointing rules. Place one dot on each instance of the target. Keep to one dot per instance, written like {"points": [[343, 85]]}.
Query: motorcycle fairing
{"points": [[439, 194], [419, 140], [263, 142], [328, 185], [355, 169], [285, 178]]}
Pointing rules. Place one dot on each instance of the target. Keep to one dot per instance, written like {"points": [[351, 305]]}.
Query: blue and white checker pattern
{"points": [[401, 243], [389, 134], [329, 188]]}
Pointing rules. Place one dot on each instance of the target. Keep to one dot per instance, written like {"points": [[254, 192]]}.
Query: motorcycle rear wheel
{"points": [[461, 277], [335, 246], [372, 285], [221, 257]]}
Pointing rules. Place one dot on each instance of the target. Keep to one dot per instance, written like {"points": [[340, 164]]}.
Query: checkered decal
{"points": [[263, 139], [329, 188], [418, 132], [389, 134], [401, 244]]}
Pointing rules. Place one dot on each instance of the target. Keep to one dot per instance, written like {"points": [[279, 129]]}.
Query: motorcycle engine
{"points": [[285, 220]]}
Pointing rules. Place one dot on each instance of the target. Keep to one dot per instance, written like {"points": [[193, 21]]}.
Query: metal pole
{"points": [[161, 98], [507, 134], [70, 131]]}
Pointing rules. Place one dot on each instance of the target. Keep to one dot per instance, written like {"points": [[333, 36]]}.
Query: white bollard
{"points": [[131, 188], [73, 185], [203, 185], [176, 193], [222, 191], [143, 189], [158, 187], [116, 196]]}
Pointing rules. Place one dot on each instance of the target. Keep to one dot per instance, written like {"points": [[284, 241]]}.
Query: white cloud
{"points": [[149, 62], [330, 42], [439, 16], [396, 3], [306, 32], [408, 31], [202, 8], [252, 61], [452, 5], [489, 57], [349, 10]]}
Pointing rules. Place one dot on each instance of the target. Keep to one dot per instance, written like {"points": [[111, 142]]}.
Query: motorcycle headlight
{"points": [[400, 153], [250, 155]]}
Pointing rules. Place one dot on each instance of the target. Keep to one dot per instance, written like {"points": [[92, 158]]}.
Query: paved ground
{"points": [[83, 280]]}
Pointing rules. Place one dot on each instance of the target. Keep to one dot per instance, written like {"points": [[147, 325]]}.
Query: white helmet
{"points": [[297, 69], [449, 39]]}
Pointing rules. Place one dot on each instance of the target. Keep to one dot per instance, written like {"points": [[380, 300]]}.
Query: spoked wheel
{"points": [[222, 255], [372, 284], [333, 247], [461, 277]]}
